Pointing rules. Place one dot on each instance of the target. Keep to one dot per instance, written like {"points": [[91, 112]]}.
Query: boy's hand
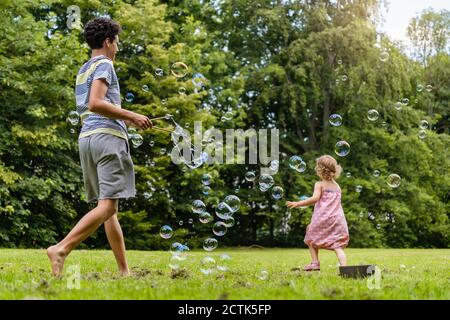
{"points": [[140, 121], [292, 205]]}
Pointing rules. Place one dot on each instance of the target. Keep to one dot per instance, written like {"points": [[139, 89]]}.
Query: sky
{"points": [[400, 13]]}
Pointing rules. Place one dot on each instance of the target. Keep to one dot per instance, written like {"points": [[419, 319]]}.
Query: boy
{"points": [[103, 144]]}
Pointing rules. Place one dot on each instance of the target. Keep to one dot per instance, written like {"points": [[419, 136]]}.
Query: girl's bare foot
{"points": [[57, 257], [125, 273]]}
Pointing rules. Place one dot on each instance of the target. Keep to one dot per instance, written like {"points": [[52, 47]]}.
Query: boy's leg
{"points": [[341, 256], [115, 238], [83, 229], [314, 253]]}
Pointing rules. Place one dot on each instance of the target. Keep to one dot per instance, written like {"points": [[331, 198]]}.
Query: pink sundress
{"points": [[328, 228]]}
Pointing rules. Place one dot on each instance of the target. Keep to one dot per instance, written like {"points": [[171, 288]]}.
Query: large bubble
{"points": [[277, 192], [207, 265], [205, 217], [198, 206], [265, 182], [129, 97], [297, 163], [166, 232], [394, 180], [219, 228], [223, 210], [136, 140], [373, 115], [342, 148], [250, 176], [210, 244], [179, 69], [335, 120], [233, 202], [73, 118], [206, 179], [198, 80]]}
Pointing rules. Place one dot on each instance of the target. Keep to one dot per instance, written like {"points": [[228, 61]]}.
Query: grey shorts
{"points": [[108, 171]]}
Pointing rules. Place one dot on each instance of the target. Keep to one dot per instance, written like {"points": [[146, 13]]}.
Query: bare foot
{"points": [[57, 257], [125, 273]]}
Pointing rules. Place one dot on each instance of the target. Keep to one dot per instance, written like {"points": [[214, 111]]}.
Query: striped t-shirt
{"points": [[99, 67]]}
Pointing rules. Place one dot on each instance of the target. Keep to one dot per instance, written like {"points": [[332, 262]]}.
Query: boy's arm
{"points": [[98, 104]]}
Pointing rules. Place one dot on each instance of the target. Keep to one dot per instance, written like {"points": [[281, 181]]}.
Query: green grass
{"points": [[406, 274]]}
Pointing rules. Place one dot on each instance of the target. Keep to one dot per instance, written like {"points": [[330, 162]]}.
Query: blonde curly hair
{"points": [[327, 168]]}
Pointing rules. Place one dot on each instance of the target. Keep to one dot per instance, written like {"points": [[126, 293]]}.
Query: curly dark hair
{"points": [[99, 29]]}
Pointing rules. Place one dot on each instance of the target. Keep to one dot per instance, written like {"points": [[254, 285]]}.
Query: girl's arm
{"points": [[315, 197]]}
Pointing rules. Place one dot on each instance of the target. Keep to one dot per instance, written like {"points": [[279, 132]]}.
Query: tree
{"points": [[429, 34]]}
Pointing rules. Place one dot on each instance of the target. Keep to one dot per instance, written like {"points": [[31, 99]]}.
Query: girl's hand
{"points": [[292, 205]]}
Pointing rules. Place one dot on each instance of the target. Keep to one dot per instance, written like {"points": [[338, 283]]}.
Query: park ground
{"points": [[252, 274]]}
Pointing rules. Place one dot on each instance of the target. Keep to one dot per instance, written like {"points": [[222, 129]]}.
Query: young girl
{"points": [[328, 228]]}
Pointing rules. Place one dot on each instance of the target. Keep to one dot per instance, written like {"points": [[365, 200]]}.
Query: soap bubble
{"points": [[277, 193], [182, 90], [339, 61], [297, 163], [348, 174], [398, 106], [151, 143], [376, 173], [419, 88], [429, 88], [301, 199], [265, 182], [198, 80], [422, 134], [335, 120], [372, 115], [274, 165], [405, 101], [250, 176], [145, 88], [208, 265], [136, 140], [223, 210], [233, 202], [206, 179], [384, 56], [223, 262], [210, 244], [423, 124], [205, 217], [73, 118], [166, 232], [344, 78], [342, 148], [262, 275], [228, 115], [180, 222], [206, 190], [229, 221], [219, 228], [72, 131], [359, 188], [162, 151], [129, 97], [159, 72], [198, 206], [176, 247], [394, 180], [179, 69]]}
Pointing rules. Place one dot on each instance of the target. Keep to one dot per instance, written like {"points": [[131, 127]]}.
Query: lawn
{"points": [[251, 274]]}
